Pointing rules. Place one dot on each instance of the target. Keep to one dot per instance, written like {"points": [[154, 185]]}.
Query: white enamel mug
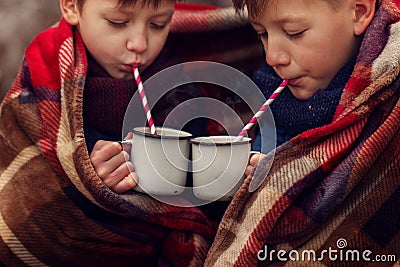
{"points": [[218, 165], [161, 161]]}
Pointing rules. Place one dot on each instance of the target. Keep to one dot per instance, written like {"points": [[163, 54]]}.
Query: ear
{"points": [[70, 12], [363, 14]]}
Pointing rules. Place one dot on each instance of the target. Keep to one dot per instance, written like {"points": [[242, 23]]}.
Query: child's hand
{"points": [[254, 159], [111, 164]]}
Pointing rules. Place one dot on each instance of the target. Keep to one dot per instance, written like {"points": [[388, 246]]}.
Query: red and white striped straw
{"points": [[144, 101], [261, 111]]}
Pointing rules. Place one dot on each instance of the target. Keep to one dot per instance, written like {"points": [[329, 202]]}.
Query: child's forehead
{"points": [[152, 3], [123, 3], [255, 7]]}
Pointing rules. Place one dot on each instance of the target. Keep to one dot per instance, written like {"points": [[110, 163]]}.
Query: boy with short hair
{"points": [[57, 206], [119, 36], [336, 171], [296, 44]]}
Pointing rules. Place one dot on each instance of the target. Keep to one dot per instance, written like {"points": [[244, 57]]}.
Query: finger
{"points": [[112, 165], [127, 146], [129, 136], [104, 151], [118, 159], [254, 159], [129, 182], [99, 144], [249, 170], [117, 173]]}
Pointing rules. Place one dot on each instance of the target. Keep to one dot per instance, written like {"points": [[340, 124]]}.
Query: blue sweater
{"points": [[293, 116]]}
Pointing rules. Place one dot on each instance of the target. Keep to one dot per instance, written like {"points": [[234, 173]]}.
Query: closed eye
{"points": [[158, 26], [117, 24], [295, 34]]}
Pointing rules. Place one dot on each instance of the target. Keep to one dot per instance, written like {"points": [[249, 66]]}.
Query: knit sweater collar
{"points": [[293, 116]]}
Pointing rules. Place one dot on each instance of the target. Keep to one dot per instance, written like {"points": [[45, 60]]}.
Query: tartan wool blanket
{"points": [[54, 209], [44, 162], [333, 192]]}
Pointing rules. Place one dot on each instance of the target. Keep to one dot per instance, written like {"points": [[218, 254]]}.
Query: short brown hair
{"points": [[154, 3], [255, 6]]}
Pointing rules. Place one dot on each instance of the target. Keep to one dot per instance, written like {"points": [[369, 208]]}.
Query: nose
{"points": [[137, 41], [276, 54]]}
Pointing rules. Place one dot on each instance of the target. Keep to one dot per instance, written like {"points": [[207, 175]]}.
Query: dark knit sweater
{"points": [[106, 100], [293, 116]]}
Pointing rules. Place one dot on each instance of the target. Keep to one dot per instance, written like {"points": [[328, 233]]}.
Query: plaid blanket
{"points": [[54, 209], [335, 188]]}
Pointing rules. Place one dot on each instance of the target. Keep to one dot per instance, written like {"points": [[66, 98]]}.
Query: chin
{"points": [[303, 97], [121, 75], [301, 93]]}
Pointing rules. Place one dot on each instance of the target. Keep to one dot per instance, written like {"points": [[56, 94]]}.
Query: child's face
{"points": [[120, 38], [307, 42]]}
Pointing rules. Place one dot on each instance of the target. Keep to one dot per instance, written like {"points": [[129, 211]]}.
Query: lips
{"points": [[127, 67], [290, 78], [294, 81], [130, 67]]}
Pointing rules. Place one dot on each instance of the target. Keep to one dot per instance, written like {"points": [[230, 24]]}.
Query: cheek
{"points": [[97, 46], [93, 41], [103, 50], [97, 39], [318, 53], [338, 51], [339, 39], [156, 43]]}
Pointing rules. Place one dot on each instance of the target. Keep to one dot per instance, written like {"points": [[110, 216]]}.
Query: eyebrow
{"points": [[287, 19], [290, 19], [166, 13], [125, 11]]}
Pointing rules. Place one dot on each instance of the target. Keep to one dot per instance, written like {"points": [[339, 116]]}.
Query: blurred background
{"points": [[22, 20]]}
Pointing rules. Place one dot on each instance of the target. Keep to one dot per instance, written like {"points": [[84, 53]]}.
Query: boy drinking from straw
{"points": [[335, 175], [296, 41], [58, 205], [120, 36]]}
